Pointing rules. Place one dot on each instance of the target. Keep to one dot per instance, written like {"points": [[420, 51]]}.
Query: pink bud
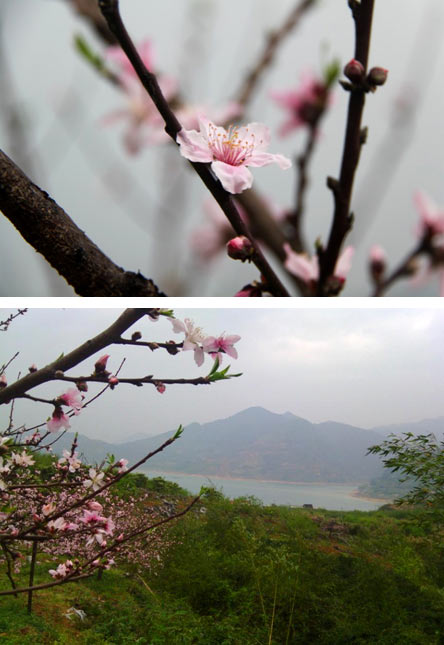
{"points": [[100, 365], [354, 71], [377, 76], [32, 368], [377, 263], [3, 381], [249, 291], [160, 387], [240, 248], [113, 381]]}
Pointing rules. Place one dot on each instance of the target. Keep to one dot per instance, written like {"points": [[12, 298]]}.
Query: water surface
{"points": [[335, 497]]}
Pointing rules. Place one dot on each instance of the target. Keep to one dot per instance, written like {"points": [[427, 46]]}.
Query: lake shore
{"points": [[331, 495]]}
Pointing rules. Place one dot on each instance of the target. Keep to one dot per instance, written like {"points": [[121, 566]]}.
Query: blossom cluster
{"points": [[70, 508], [200, 344]]}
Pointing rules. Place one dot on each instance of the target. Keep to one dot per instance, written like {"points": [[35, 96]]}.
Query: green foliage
{"points": [[388, 486], [419, 459], [221, 375], [238, 572], [133, 483]]}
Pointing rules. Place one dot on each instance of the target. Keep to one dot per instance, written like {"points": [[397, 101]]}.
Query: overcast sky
{"points": [[142, 210], [365, 367]]}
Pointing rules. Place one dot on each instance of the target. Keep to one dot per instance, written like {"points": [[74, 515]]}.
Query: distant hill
{"points": [[254, 443], [425, 426]]}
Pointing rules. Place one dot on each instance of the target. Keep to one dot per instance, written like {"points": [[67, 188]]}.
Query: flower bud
{"points": [[100, 365], [3, 381], [240, 248], [160, 387], [82, 386], [377, 263], [136, 336], [354, 71], [113, 381], [253, 290], [32, 368], [377, 76]]}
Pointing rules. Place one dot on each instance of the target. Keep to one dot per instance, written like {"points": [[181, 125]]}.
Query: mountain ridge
{"points": [[254, 443]]}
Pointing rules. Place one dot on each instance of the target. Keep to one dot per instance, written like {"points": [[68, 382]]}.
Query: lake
{"points": [[335, 497]]}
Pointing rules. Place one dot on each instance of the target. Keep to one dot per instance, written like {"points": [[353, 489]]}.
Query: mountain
{"points": [[425, 426], [253, 443]]}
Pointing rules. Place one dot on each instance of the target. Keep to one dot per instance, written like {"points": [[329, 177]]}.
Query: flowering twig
{"points": [[110, 10], [354, 139], [4, 324], [46, 226], [76, 575], [274, 40], [48, 373], [404, 269]]}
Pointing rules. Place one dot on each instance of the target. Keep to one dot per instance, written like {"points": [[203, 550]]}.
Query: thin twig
{"points": [[275, 38], [402, 270]]}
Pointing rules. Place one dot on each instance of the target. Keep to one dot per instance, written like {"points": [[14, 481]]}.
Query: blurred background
{"points": [[143, 210]]}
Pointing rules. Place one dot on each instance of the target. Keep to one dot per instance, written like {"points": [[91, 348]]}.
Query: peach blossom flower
{"points": [[230, 151], [307, 269], [58, 420]]}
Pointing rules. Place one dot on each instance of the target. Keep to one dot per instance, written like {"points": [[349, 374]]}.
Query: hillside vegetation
{"points": [[238, 573]]}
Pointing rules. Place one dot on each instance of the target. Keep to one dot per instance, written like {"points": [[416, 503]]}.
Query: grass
{"points": [[240, 573]]}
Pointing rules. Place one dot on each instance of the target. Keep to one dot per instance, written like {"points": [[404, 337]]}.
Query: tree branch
{"points": [[354, 139], [274, 40], [46, 226], [87, 349]]}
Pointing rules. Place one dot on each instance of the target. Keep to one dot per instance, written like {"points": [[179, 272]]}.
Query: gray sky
{"points": [[114, 197], [360, 366]]}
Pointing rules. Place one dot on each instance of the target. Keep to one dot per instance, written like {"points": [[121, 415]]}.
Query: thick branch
{"points": [[46, 226], [90, 347]]}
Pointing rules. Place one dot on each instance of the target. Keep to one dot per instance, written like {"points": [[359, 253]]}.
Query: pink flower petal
{"points": [[305, 268], [343, 265], [264, 158], [234, 179], [193, 146]]}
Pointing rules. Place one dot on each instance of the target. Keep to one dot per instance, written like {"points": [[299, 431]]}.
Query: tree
{"points": [[419, 459], [65, 507], [246, 225]]}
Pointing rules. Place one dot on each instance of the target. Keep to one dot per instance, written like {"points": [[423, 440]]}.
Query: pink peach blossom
{"points": [[193, 337], [58, 420], [305, 103], [95, 481], [230, 151], [221, 345], [431, 217], [307, 269], [73, 399], [22, 460], [119, 58]]}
